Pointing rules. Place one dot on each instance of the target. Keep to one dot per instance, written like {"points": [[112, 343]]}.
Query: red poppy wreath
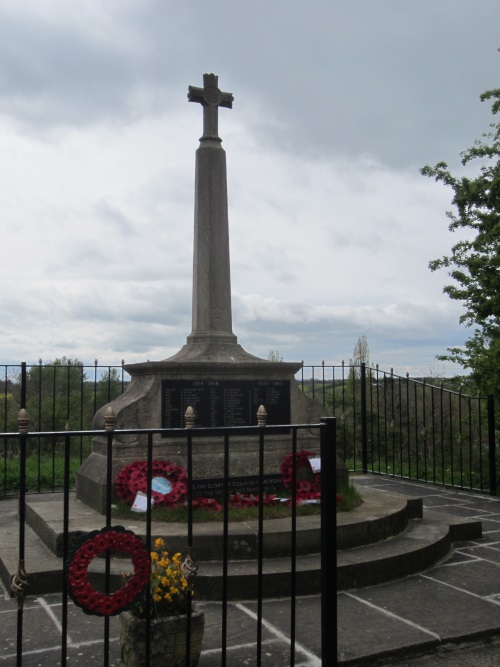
{"points": [[305, 489], [169, 482], [89, 546]]}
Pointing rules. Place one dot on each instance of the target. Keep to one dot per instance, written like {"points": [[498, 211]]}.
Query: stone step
{"points": [[399, 544], [423, 543], [379, 517]]}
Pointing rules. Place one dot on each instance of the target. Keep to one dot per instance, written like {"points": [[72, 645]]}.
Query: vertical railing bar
{"points": [[39, 452], [441, 435], [460, 437], [64, 610], [424, 427], [6, 428], [95, 385], [385, 425], [343, 416], [491, 445], [109, 421], [225, 552], [469, 410], [354, 417], [260, 546], [189, 467], [364, 434], [328, 542], [149, 506], [400, 395], [408, 429], [417, 461], [22, 516], [393, 424], [450, 432], [54, 428], [334, 393], [68, 393], [480, 440], [293, 564], [82, 391], [378, 416], [323, 381], [433, 423]]}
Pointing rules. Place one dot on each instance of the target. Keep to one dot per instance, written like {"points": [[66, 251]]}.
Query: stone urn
{"points": [[167, 640]]}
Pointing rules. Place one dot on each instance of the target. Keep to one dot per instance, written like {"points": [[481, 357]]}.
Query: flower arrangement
{"points": [[170, 584], [306, 489], [134, 477]]}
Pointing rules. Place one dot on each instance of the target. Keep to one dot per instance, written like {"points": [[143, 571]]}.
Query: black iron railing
{"points": [[406, 427], [423, 429], [26, 440], [65, 395]]}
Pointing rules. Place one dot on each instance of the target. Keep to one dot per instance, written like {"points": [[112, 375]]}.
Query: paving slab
{"points": [[453, 615], [482, 578], [365, 631]]}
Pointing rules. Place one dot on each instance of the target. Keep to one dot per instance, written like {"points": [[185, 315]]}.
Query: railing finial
{"points": [[109, 419], [189, 416], [261, 416], [23, 420]]}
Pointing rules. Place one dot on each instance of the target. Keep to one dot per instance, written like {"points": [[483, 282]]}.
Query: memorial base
{"points": [[142, 406]]}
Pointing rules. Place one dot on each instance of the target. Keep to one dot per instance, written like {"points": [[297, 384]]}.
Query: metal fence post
{"points": [[364, 425], [328, 542], [491, 445], [23, 385]]}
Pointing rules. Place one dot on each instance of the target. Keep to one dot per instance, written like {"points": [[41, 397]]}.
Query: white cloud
{"points": [[331, 225]]}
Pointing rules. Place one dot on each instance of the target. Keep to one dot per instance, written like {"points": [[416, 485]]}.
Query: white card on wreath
{"points": [[315, 464], [141, 502]]}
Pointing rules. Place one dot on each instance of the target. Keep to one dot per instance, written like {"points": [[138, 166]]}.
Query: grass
{"points": [[46, 474], [350, 498], [180, 514]]}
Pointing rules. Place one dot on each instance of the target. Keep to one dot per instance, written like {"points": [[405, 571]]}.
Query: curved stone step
{"points": [[423, 543], [379, 517]]}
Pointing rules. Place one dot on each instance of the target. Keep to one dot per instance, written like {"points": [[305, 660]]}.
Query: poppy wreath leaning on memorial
{"points": [[89, 546], [134, 477], [306, 489]]}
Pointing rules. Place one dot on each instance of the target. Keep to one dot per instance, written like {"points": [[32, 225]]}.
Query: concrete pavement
{"points": [[447, 615]]}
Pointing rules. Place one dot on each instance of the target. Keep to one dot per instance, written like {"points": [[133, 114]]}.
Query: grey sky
{"points": [[337, 105]]}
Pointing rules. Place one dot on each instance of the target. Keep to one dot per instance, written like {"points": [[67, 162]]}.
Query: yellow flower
{"points": [[159, 543], [154, 556]]}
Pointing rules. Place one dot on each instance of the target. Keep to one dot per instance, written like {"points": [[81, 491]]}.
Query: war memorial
{"points": [[224, 384]]}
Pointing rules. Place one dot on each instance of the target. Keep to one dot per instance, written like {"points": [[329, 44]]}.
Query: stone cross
{"points": [[211, 98]]}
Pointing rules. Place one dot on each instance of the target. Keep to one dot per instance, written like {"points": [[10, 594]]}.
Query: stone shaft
{"points": [[211, 315], [211, 264]]}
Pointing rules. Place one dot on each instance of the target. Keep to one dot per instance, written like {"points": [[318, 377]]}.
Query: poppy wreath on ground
{"points": [[89, 546], [134, 477], [250, 500], [306, 489]]}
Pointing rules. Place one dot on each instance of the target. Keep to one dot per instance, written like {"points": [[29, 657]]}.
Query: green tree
{"points": [[474, 261]]}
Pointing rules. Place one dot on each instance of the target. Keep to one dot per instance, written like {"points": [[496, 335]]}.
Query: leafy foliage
{"points": [[474, 261]]}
